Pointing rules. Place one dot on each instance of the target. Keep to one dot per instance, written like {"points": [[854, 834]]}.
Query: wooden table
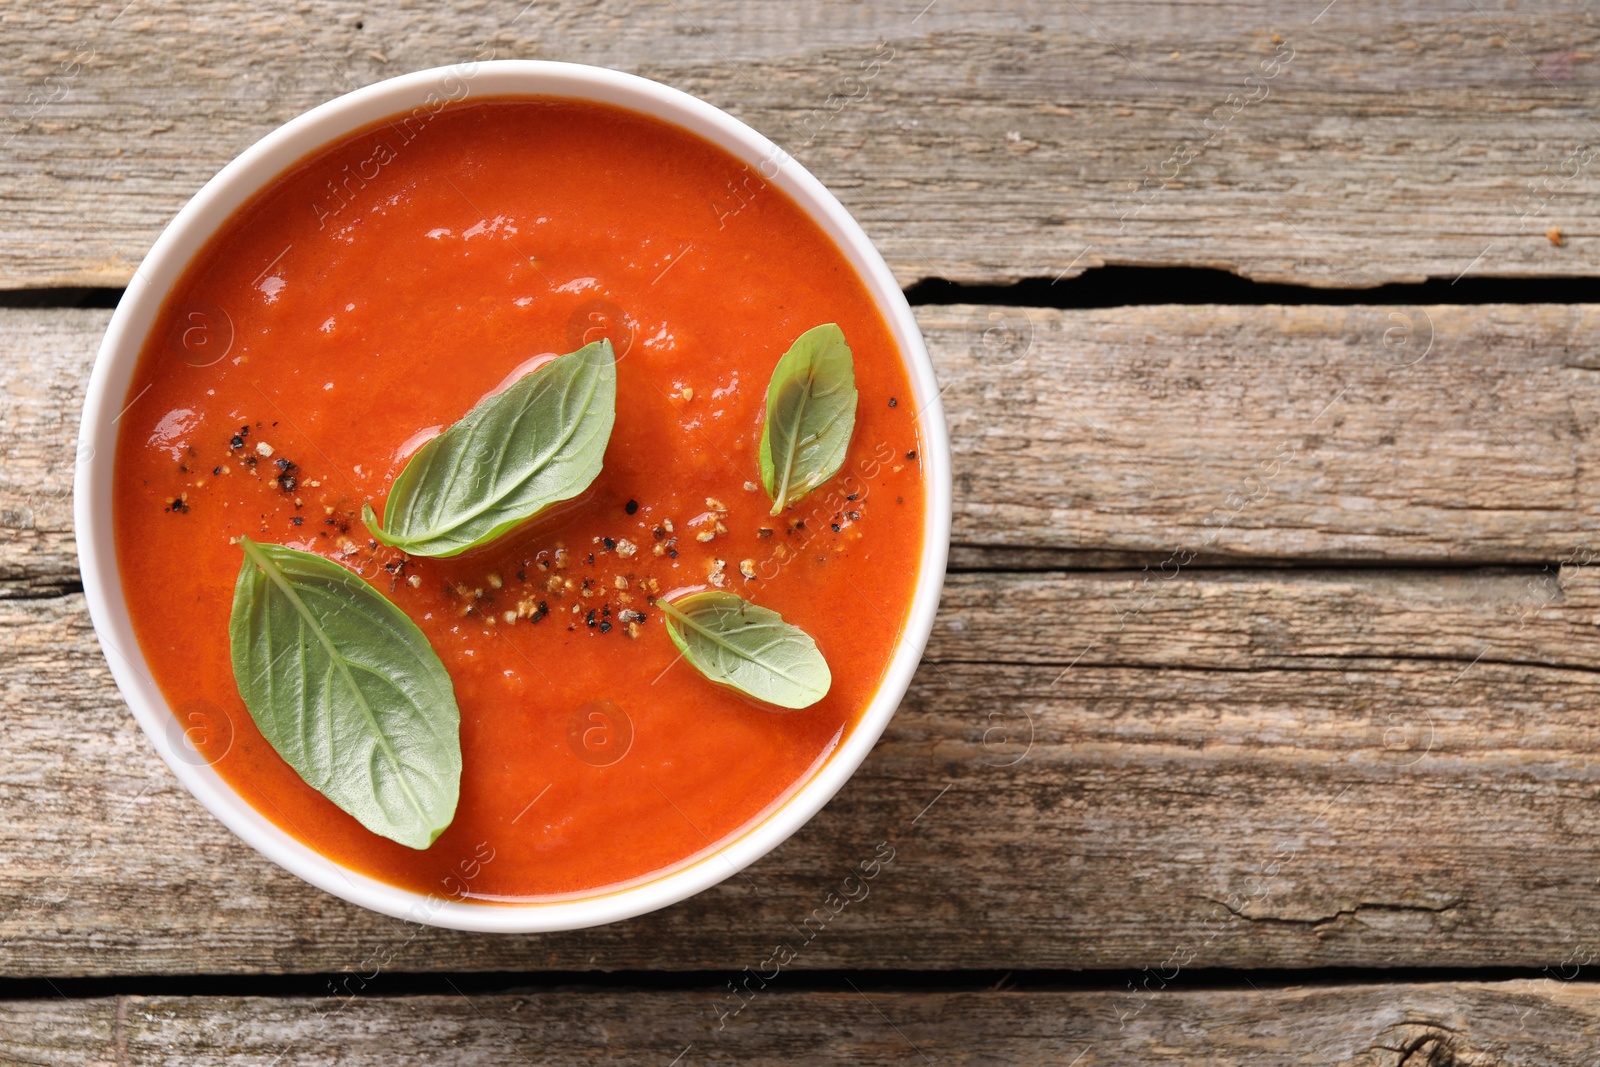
{"points": [[1260, 720]]}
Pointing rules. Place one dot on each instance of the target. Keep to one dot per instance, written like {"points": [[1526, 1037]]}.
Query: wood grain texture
{"points": [[1170, 434], [1441, 433], [45, 356], [1001, 139], [1225, 769], [1248, 754], [1540, 1023]]}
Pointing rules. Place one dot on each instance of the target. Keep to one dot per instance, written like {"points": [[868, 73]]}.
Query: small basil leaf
{"points": [[347, 690], [537, 443], [737, 643], [811, 413]]}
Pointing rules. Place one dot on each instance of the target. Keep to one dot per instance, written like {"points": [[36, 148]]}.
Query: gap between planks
{"points": [[1114, 286], [400, 983]]}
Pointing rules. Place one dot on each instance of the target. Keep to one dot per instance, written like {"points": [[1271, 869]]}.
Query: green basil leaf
{"points": [[347, 690], [811, 413], [737, 643], [536, 444]]}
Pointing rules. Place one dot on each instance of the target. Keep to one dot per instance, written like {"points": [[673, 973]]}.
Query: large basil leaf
{"points": [[811, 413], [347, 690], [537, 443], [737, 643]]}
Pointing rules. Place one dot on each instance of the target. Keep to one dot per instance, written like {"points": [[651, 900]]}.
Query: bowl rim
{"points": [[110, 380]]}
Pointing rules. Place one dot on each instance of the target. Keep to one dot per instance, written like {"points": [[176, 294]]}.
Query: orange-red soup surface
{"points": [[377, 291]]}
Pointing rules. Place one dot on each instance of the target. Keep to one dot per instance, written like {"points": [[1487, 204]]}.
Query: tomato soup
{"points": [[377, 291]]}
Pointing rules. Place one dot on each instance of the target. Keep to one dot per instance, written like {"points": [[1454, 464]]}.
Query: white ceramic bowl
{"points": [[188, 233]]}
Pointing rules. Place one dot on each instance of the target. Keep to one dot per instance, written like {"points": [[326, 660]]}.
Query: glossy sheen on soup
{"points": [[377, 291]]}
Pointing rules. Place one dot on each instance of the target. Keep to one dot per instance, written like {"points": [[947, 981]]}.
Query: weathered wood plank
{"points": [[990, 141], [1537, 1023], [75, 1032], [1328, 769], [45, 357], [1438, 433], [1172, 433]]}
